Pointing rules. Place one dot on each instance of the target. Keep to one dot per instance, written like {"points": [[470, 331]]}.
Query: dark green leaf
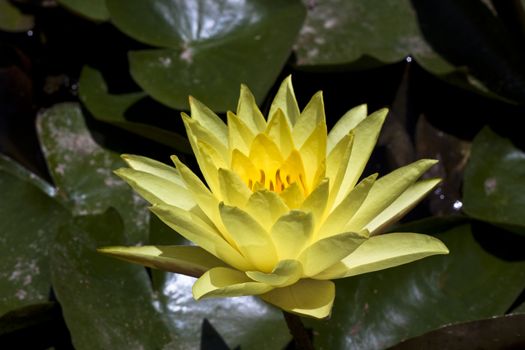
{"points": [[29, 218], [93, 9], [210, 48], [12, 20], [460, 41], [83, 171], [10, 166], [107, 304], [377, 310], [494, 186], [505, 332], [342, 32], [111, 109]]}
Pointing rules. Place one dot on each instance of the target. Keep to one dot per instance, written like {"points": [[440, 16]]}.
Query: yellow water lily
{"points": [[282, 211]]}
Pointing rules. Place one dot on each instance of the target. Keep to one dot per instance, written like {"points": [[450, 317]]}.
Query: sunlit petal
{"points": [[248, 111], [251, 238], [286, 273], [344, 125], [187, 260], [291, 232], [385, 251], [225, 282], [306, 298]]}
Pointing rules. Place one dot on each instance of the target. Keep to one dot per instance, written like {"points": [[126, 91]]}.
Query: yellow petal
{"points": [[224, 282], [344, 125], [157, 190], [202, 195], [328, 251], [249, 112], [306, 298], [266, 207], [292, 171], [197, 132], [285, 100], [312, 115], [337, 219], [291, 232], [365, 138], [194, 229], [286, 273], [265, 154], [243, 166], [209, 161], [385, 191], [209, 120], [239, 135], [233, 190], [278, 130], [251, 238], [187, 260], [385, 251], [316, 201], [337, 160], [405, 202], [313, 154], [153, 167], [293, 196]]}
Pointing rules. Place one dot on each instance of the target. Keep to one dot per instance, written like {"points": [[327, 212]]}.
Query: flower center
{"points": [[275, 181]]}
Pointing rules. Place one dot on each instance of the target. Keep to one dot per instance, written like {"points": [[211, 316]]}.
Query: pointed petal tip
{"points": [[120, 172], [175, 159], [111, 250], [186, 118], [430, 161]]}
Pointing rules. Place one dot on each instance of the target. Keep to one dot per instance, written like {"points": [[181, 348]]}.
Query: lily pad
{"points": [[378, 310], [107, 304], [462, 42], [82, 170], [208, 48], [111, 109], [29, 218], [244, 321], [338, 32], [493, 188], [92, 9], [504, 332], [12, 19]]}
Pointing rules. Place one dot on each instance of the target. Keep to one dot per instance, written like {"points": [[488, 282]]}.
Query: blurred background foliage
{"points": [[82, 81]]}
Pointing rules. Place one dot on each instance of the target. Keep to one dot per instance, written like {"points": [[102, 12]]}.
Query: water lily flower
{"points": [[283, 210]]}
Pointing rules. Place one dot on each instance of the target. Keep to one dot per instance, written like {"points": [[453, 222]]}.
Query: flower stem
{"points": [[300, 335]]}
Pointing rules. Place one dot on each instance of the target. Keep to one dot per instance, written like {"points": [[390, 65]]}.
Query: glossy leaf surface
{"points": [[92, 9], [494, 186], [208, 49], [377, 310], [29, 221], [82, 170], [107, 304], [112, 108]]}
